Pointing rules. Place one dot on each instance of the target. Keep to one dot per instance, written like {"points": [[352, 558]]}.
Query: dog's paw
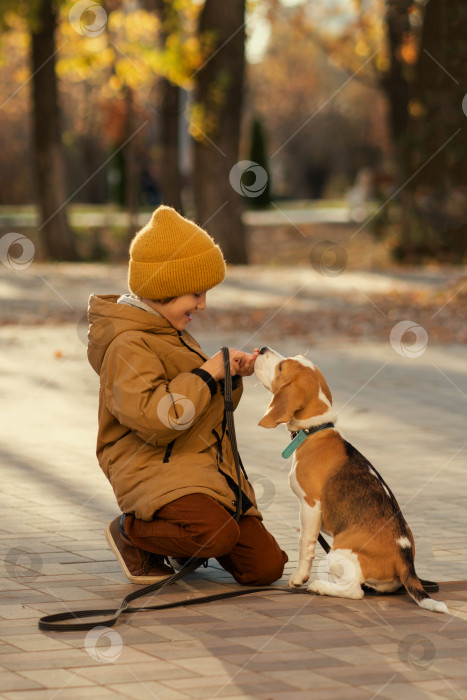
{"points": [[316, 587], [297, 579]]}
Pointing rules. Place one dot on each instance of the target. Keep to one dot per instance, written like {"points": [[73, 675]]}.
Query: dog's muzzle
{"points": [[265, 366]]}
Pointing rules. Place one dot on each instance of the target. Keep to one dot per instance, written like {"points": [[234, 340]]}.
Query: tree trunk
{"points": [[171, 178], [395, 83], [218, 97], [397, 88], [433, 149], [132, 184], [440, 90], [168, 108], [49, 161]]}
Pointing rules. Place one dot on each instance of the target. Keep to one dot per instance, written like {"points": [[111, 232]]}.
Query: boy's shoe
{"points": [[137, 565]]}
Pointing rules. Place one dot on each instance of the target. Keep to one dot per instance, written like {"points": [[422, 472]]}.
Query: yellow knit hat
{"points": [[172, 256]]}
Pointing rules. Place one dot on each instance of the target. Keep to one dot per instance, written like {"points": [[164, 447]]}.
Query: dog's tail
{"points": [[406, 572]]}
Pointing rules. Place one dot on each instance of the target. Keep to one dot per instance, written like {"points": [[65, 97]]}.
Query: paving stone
{"points": [[185, 651], [68, 693], [68, 658], [7, 648], [147, 690], [226, 689], [267, 643], [17, 611], [239, 693], [345, 692], [354, 655], [210, 665], [57, 678], [440, 685], [209, 682], [14, 681], [401, 691], [36, 642], [305, 679], [104, 674], [298, 660]]}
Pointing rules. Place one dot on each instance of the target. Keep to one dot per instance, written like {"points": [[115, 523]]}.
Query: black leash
{"points": [[108, 617], [229, 409]]}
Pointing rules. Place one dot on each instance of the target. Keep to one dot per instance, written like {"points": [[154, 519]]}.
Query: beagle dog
{"points": [[340, 492]]}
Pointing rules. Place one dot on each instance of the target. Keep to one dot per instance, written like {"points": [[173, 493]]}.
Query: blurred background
{"points": [[273, 123]]}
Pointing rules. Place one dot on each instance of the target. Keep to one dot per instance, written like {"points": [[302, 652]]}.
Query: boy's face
{"points": [[180, 310]]}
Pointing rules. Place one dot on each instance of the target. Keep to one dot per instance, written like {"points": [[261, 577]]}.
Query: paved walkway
{"points": [[406, 415], [60, 292], [28, 216]]}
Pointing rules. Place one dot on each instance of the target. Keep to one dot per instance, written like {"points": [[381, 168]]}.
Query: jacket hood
{"points": [[107, 320]]}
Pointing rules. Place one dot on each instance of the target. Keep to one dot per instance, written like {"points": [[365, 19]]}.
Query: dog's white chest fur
{"points": [[294, 485], [309, 513]]}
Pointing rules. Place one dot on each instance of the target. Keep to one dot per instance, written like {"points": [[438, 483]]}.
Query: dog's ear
{"points": [[283, 406]]}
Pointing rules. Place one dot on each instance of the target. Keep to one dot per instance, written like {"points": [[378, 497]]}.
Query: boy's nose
{"points": [[201, 303]]}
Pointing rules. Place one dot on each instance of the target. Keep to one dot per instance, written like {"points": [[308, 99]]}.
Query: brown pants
{"points": [[198, 526]]}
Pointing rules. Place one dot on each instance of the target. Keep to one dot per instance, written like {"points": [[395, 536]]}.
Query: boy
{"points": [[162, 439]]}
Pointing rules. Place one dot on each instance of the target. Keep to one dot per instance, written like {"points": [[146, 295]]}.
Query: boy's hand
{"points": [[247, 363], [241, 363]]}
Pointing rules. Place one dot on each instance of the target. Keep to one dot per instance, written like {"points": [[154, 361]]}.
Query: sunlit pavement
{"points": [[100, 216], [40, 293], [406, 415]]}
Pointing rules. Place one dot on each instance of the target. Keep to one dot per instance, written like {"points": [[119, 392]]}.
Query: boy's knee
{"points": [[218, 536], [268, 571]]}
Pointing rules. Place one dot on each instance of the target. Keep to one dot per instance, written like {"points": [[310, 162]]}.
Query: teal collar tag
{"points": [[302, 435], [292, 446]]}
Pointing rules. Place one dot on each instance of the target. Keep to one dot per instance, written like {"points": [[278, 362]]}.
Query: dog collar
{"points": [[300, 436]]}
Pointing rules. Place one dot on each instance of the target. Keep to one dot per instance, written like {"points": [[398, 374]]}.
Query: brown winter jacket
{"points": [[161, 432]]}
